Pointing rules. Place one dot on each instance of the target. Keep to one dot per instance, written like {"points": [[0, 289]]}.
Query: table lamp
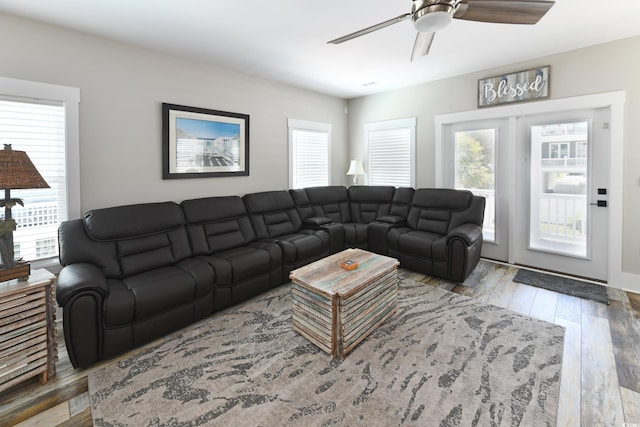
{"points": [[16, 172], [355, 169]]}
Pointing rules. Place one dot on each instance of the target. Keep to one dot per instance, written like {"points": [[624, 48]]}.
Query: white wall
{"points": [[122, 89], [609, 67]]}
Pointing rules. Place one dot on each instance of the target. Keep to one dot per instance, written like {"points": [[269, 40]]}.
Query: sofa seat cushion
{"points": [[307, 244], [422, 244], [238, 264], [147, 294]]}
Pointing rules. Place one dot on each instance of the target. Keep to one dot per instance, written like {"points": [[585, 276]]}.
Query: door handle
{"points": [[600, 203]]}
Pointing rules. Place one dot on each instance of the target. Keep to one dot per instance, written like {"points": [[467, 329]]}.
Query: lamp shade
{"points": [[355, 168], [17, 171]]}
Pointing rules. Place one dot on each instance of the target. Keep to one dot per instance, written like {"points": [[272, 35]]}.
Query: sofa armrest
{"points": [[335, 230], [469, 233], [464, 246], [316, 222], [80, 290], [394, 220], [78, 278], [378, 230]]}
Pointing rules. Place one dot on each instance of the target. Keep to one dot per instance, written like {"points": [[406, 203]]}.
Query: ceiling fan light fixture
{"points": [[432, 18]]}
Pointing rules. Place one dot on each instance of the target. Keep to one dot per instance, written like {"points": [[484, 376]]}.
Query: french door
{"points": [[562, 202], [545, 180], [479, 153]]}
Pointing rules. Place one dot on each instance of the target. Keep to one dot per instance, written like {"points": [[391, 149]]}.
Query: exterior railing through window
{"points": [[561, 217]]}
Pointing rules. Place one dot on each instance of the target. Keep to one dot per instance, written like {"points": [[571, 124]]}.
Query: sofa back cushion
{"points": [[301, 200], [401, 202], [272, 214], [216, 224], [132, 239], [367, 203], [330, 202], [432, 208]]}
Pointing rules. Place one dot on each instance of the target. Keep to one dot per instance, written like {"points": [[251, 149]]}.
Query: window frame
{"points": [[310, 126]]}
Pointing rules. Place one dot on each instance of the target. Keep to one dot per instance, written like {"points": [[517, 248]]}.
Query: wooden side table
{"points": [[28, 342]]}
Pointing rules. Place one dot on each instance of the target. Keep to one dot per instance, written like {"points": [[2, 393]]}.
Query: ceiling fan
{"points": [[429, 16]]}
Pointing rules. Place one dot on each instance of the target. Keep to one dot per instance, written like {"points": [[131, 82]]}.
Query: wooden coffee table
{"points": [[336, 308]]}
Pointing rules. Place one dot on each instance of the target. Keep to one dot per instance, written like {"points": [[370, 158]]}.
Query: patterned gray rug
{"points": [[443, 359]]}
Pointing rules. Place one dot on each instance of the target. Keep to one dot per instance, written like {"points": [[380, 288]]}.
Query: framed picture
{"points": [[201, 143], [521, 86]]}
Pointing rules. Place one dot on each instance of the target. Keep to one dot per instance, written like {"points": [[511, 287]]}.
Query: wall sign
{"points": [[521, 86]]}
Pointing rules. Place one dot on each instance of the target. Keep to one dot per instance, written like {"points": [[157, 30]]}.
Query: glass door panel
{"points": [[474, 160], [558, 188]]}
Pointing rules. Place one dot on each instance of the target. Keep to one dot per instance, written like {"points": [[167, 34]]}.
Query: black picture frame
{"points": [[203, 143]]}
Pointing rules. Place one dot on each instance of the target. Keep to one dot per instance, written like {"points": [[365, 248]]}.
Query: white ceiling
{"points": [[285, 40]]}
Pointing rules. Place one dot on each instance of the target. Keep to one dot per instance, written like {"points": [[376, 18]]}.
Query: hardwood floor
{"points": [[601, 367]]}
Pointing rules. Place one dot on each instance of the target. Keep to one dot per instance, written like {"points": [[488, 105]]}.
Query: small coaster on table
{"points": [[348, 264]]}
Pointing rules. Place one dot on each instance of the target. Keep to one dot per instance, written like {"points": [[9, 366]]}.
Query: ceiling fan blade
{"points": [[422, 45], [504, 11], [370, 29]]}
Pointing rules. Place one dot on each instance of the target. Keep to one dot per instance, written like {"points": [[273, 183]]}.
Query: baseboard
{"points": [[626, 281]]}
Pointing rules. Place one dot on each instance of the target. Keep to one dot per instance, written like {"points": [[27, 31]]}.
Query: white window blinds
{"points": [[390, 152], [38, 128], [309, 144]]}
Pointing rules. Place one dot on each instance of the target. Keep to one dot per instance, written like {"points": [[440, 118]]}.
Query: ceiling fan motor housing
{"points": [[433, 15]]}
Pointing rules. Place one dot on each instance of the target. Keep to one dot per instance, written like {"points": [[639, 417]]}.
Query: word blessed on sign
{"points": [[521, 86]]}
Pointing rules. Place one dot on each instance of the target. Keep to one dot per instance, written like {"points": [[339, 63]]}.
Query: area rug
{"points": [[443, 359], [563, 285]]}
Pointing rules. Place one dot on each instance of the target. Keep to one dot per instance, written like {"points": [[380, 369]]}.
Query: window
{"points": [[42, 120], [558, 150], [309, 153], [581, 150], [390, 152], [46, 247]]}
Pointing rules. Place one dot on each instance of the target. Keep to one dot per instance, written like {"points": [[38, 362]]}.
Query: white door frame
{"points": [[613, 100]]}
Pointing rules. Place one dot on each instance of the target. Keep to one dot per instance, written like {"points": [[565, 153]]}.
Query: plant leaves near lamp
{"points": [[7, 226], [16, 172]]}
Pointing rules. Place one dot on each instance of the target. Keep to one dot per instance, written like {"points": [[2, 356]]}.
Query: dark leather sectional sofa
{"points": [[134, 273]]}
